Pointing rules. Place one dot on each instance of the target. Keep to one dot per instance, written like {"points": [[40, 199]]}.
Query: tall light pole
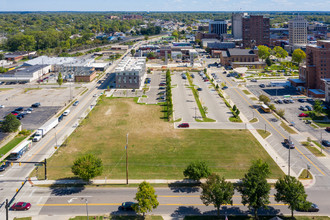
{"points": [[289, 157], [126, 158], [321, 139], [86, 201]]}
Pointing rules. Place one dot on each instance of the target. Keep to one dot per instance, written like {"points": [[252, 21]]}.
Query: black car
{"points": [[312, 208], [326, 143], [19, 117], [262, 85], [128, 206], [199, 89], [4, 166], [310, 100], [19, 109], [309, 108], [301, 100], [35, 105]]}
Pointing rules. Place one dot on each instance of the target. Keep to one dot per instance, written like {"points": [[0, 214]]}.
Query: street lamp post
{"points": [[321, 139], [126, 159], [289, 158]]}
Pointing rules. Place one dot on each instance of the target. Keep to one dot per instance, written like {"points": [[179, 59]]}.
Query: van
{"points": [[66, 112]]}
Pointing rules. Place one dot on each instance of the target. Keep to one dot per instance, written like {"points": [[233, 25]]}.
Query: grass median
{"points": [[156, 150]]}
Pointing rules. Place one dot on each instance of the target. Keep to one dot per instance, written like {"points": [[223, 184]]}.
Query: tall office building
{"points": [[298, 31], [237, 25], [317, 66], [255, 31], [218, 27]]}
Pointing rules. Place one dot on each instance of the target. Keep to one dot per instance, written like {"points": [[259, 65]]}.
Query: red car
{"points": [[206, 80], [21, 206], [303, 115], [328, 129], [183, 125]]}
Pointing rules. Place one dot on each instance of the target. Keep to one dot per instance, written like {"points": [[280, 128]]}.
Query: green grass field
{"points": [[11, 144], [156, 149]]}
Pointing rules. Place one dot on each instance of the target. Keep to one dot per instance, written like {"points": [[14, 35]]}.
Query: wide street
{"points": [[173, 202]]}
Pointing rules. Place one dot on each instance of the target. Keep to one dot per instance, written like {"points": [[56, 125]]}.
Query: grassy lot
{"points": [[264, 134], [323, 124], [124, 217], [312, 149], [208, 217], [305, 174], [287, 128], [246, 92], [5, 89], [30, 89], [156, 150], [26, 218], [253, 120], [11, 144], [254, 98]]}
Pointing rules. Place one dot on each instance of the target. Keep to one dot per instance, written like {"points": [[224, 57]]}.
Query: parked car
{"points": [[192, 76], [29, 109], [254, 80], [289, 143], [310, 100], [312, 208], [262, 85], [303, 115], [4, 166], [35, 105], [225, 87], [286, 101], [183, 125], [327, 129], [291, 101], [19, 116], [199, 89], [162, 84], [301, 108], [75, 103], [19, 109], [127, 206], [27, 112], [301, 100], [161, 88], [2, 106], [66, 112], [326, 143], [308, 108], [206, 80], [279, 101], [21, 206]]}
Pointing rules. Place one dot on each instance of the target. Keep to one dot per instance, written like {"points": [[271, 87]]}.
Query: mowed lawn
{"points": [[156, 150]]}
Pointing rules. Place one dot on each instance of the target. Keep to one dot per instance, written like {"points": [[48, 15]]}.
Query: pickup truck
{"points": [[289, 143]]}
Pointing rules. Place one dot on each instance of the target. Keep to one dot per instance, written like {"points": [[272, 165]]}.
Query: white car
{"points": [[2, 106], [27, 111]]}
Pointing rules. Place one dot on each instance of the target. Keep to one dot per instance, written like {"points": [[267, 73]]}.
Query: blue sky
{"points": [[164, 5]]}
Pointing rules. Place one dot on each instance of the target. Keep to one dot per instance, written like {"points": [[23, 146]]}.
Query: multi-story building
{"points": [[317, 66], [255, 31], [298, 31], [130, 73], [201, 35], [327, 89], [218, 27], [237, 25]]}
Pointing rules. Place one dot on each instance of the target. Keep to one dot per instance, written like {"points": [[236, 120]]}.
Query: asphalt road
{"points": [[174, 202]]}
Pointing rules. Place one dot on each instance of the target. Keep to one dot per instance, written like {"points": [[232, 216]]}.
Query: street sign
{"points": [[38, 164]]}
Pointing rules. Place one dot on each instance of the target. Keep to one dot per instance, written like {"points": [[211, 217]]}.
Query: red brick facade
{"points": [[255, 31]]}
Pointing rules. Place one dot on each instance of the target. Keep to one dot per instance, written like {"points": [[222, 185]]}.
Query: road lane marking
{"points": [[165, 204], [274, 127]]}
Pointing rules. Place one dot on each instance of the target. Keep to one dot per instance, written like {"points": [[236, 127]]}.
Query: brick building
{"points": [[130, 73], [255, 31], [227, 58], [317, 66], [201, 35]]}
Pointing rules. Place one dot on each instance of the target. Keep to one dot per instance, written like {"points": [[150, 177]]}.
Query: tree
{"points": [[272, 107], [254, 187], [263, 52], [59, 79], [298, 55], [281, 112], [146, 199], [217, 191], [10, 124], [291, 192], [133, 52], [268, 61], [146, 37], [205, 108], [265, 99], [176, 35], [2, 56], [197, 170], [279, 52], [317, 106], [87, 167]]}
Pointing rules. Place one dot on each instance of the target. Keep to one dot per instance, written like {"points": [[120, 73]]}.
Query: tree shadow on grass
{"points": [[184, 186], [67, 186], [182, 211]]}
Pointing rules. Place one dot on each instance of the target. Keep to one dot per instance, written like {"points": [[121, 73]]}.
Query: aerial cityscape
{"points": [[164, 110]]}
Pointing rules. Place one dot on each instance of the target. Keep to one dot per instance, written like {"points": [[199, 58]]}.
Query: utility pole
{"points": [[265, 128], [7, 208], [126, 159], [45, 168], [289, 157], [321, 140]]}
